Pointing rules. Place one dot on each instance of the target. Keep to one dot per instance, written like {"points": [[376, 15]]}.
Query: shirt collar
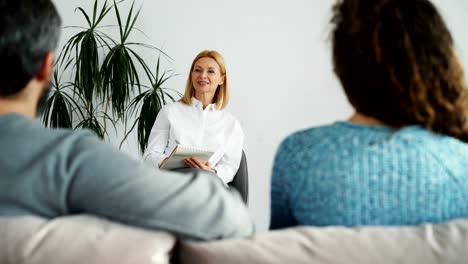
{"points": [[198, 104]]}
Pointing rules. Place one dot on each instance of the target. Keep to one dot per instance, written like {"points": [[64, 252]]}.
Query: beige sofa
{"points": [[87, 239]]}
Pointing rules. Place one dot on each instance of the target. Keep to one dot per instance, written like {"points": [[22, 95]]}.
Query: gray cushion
{"points": [[442, 243], [79, 239]]}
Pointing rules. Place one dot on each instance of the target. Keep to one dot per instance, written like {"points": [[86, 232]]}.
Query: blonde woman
{"points": [[199, 119]]}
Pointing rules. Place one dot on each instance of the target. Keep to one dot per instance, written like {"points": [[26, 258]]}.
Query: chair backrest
{"points": [[241, 180]]}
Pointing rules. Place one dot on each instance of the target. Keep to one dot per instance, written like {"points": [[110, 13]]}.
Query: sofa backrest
{"points": [[428, 244], [80, 239], [88, 239]]}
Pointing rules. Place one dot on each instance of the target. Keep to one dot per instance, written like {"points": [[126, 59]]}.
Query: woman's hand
{"points": [[194, 162]]}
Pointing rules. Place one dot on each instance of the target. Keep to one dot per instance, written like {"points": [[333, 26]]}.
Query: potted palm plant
{"points": [[110, 82]]}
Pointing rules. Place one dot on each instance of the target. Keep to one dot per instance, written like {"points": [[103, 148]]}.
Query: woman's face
{"points": [[206, 76]]}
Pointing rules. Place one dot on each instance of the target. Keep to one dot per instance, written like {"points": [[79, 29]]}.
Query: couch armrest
{"points": [[441, 243], [80, 239]]}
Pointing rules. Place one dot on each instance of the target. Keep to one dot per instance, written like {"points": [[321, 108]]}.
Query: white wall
{"points": [[278, 59]]}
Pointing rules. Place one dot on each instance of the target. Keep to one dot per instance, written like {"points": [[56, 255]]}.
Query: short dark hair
{"points": [[396, 62], [28, 30]]}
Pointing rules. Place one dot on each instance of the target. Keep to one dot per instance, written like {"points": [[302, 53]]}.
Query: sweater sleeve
{"points": [[281, 212], [110, 184]]}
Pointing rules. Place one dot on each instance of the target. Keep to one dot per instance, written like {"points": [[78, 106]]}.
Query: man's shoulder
{"points": [[82, 148], [77, 136], [17, 126]]}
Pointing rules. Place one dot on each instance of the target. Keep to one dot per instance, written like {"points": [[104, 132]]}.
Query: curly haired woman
{"points": [[402, 158]]}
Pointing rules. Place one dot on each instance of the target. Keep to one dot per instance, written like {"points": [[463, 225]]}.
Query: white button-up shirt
{"points": [[190, 125]]}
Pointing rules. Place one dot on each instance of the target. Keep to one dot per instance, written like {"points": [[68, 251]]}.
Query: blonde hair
{"points": [[221, 97]]}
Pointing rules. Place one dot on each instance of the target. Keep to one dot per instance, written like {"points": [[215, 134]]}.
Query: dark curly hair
{"points": [[396, 62]]}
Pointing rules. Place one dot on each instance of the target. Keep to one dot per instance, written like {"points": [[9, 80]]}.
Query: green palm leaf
{"points": [[149, 104], [107, 76]]}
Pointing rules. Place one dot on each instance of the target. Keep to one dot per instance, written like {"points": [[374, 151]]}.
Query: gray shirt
{"points": [[58, 172]]}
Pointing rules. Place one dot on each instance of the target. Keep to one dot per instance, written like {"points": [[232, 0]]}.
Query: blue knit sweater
{"points": [[350, 174]]}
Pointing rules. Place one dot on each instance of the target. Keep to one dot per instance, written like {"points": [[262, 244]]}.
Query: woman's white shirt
{"points": [[190, 125]]}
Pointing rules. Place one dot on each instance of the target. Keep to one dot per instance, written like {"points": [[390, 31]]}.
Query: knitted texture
{"points": [[349, 174]]}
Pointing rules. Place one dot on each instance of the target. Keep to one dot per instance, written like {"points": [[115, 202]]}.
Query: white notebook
{"points": [[180, 152]]}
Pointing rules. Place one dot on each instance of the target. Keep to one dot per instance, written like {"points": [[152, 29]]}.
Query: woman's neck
{"points": [[205, 99], [359, 118]]}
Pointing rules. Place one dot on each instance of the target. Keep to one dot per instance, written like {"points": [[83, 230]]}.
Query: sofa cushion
{"points": [[79, 239], [442, 243]]}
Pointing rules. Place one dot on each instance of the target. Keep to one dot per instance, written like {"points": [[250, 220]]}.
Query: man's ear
{"points": [[44, 74]]}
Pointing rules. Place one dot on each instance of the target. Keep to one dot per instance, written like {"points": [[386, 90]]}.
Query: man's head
{"points": [[396, 62], [29, 32]]}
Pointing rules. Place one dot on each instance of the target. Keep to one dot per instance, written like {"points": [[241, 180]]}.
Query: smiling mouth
{"points": [[203, 83]]}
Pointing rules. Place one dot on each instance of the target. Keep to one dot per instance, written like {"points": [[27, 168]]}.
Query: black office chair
{"points": [[241, 180]]}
